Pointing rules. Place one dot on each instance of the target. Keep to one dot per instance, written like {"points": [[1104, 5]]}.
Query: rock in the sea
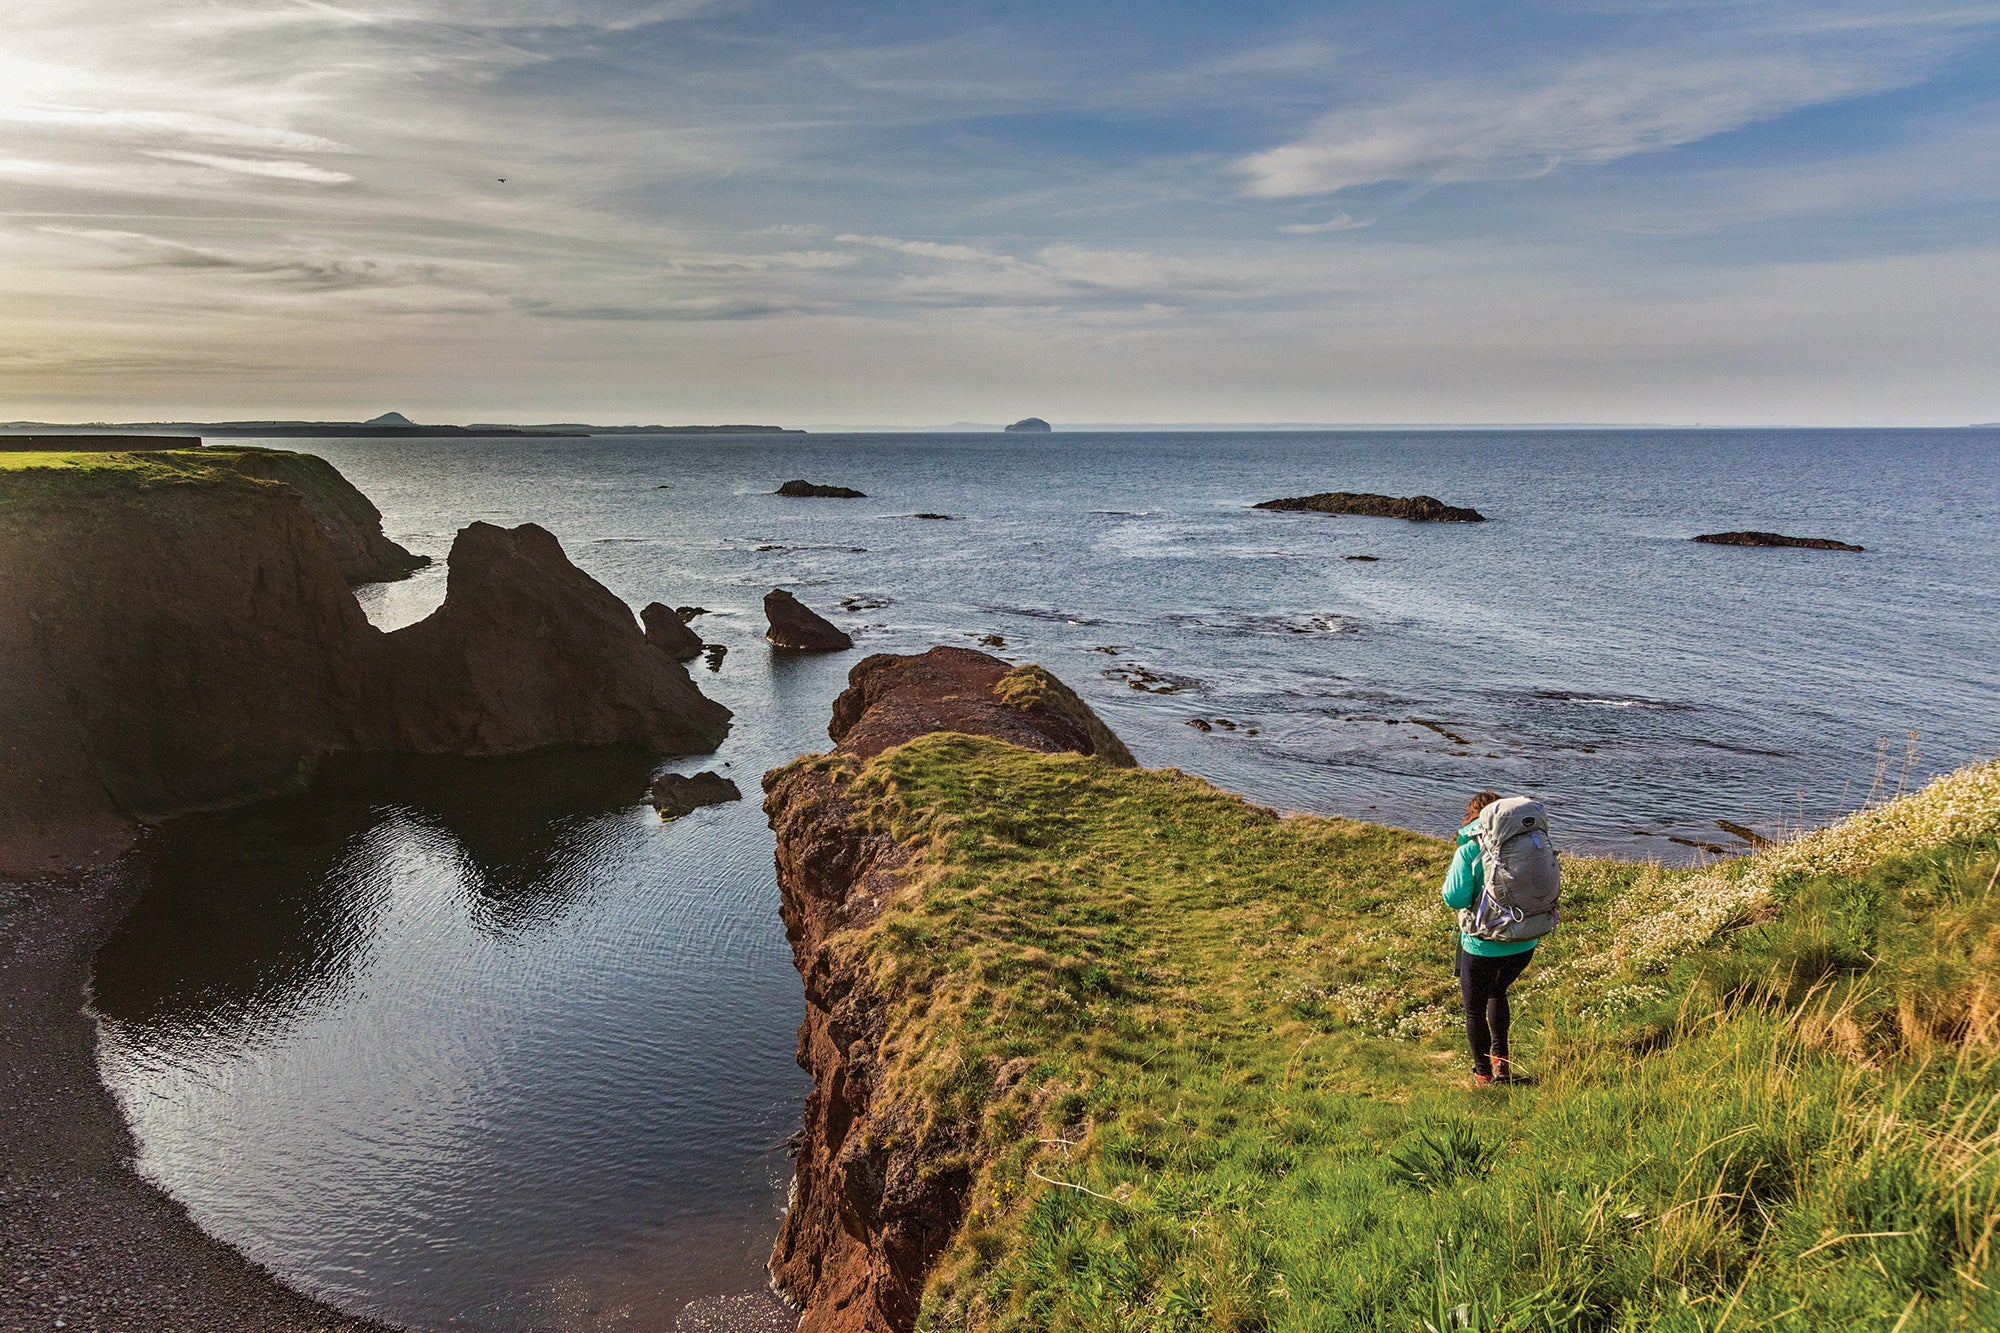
{"points": [[796, 626], [1775, 539], [666, 631], [1745, 832], [1416, 508], [529, 651], [807, 490], [1030, 426], [676, 794]]}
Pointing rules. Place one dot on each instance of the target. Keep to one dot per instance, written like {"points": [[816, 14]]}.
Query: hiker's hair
{"points": [[1480, 802]]}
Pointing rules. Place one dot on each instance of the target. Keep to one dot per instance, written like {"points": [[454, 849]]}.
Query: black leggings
{"points": [[1483, 983]]}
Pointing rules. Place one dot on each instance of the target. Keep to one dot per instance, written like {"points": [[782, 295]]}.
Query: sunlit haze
{"points": [[902, 213]]}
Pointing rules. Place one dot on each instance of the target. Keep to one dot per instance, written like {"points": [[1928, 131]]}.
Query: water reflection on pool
{"points": [[480, 1045]]}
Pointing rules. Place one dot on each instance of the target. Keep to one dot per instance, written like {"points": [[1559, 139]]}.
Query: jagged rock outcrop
{"points": [[666, 631], [871, 1208], [796, 626], [802, 489], [1774, 539], [1415, 508], [529, 651], [174, 641], [677, 794]]}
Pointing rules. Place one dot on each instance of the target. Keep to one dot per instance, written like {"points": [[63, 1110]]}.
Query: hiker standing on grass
{"points": [[1504, 881]]}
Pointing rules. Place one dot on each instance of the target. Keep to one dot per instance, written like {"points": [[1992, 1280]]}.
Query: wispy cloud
{"points": [[157, 124], [1341, 221], [281, 169], [309, 268], [1077, 278], [1589, 115], [698, 310]]}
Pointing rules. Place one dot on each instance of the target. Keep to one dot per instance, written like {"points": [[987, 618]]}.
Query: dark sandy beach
{"points": [[86, 1244]]}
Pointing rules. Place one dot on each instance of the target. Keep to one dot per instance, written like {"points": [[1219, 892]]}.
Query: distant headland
{"points": [[390, 425], [1030, 426]]}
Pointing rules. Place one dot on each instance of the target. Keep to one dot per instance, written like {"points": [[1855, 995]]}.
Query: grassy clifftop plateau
{"points": [[1208, 1063], [346, 518]]}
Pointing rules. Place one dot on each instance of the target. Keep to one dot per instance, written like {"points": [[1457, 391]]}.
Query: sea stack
{"points": [[1029, 426], [529, 652], [669, 633], [796, 626]]}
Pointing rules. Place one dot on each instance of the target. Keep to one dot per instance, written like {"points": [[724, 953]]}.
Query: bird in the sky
{"points": [[501, 179]]}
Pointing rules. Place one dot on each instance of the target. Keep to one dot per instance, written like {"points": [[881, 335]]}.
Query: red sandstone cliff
{"points": [[175, 641], [870, 1213]]}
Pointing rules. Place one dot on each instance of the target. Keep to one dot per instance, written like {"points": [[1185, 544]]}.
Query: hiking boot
{"points": [[1480, 1080], [1503, 1069]]}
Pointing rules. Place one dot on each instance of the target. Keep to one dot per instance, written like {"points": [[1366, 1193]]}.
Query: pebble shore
{"points": [[85, 1243]]}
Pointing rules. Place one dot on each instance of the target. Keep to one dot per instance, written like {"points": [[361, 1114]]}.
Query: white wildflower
{"points": [[1664, 917]]}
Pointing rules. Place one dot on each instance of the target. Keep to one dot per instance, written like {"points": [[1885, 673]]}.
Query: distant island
{"points": [[1029, 426], [390, 425]]}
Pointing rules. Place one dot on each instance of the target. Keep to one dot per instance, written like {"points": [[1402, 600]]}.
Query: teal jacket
{"points": [[1462, 886]]}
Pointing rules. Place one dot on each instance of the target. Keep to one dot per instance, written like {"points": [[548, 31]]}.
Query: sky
{"points": [[914, 213]]}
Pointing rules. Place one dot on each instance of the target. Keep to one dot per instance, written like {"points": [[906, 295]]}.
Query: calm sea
{"points": [[490, 1047]]}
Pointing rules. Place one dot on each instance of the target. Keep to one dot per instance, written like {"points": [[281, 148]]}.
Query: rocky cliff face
{"points": [[176, 640], [349, 520], [871, 1209]]}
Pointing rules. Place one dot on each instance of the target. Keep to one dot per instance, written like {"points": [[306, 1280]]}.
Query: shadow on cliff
{"points": [[251, 917]]}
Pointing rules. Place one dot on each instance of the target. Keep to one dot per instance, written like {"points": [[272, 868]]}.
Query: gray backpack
{"points": [[1523, 881]]}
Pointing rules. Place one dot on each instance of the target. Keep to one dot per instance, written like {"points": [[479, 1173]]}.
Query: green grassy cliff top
{"points": [[137, 463], [31, 479], [1214, 1060]]}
